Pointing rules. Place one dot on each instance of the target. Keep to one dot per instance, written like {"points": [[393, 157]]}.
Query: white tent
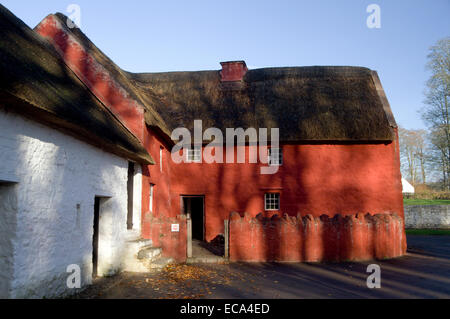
{"points": [[407, 187]]}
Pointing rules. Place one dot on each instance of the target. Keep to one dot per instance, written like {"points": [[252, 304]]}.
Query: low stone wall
{"points": [[314, 239], [427, 217], [173, 244]]}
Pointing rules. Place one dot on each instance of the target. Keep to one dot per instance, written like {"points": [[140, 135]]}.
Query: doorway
{"points": [[198, 249], [194, 209], [95, 237], [8, 228]]}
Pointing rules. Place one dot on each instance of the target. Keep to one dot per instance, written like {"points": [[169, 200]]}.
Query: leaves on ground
{"points": [[176, 281]]}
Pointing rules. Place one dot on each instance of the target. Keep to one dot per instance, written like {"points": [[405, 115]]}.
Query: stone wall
{"points": [[315, 239], [427, 217], [173, 244]]}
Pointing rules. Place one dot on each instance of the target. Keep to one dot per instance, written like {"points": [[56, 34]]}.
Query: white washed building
{"points": [[64, 164]]}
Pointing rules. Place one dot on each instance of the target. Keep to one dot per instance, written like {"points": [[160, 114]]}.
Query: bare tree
{"points": [[439, 154], [436, 113], [421, 147], [408, 153]]}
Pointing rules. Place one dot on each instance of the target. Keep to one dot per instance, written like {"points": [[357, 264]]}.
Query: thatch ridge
{"points": [[308, 104]]}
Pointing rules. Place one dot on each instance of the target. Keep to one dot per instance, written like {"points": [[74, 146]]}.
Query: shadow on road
{"points": [[423, 273]]}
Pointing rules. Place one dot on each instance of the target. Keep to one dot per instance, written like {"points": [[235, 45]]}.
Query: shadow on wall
{"points": [[64, 234], [316, 239]]}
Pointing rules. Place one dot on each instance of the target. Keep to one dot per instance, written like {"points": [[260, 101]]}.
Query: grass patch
{"points": [[412, 201], [428, 232]]}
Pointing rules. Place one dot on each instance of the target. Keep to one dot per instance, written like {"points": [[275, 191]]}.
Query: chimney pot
{"points": [[233, 71]]}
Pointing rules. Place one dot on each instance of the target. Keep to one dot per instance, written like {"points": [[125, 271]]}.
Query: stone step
{"points": [[131, 262], [149, 253], [206, 260], [160, 263], [139, 243]]}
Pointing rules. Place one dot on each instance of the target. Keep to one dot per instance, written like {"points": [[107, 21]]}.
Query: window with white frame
{"points": [[194, 155], [275, 156], [272, 201]]}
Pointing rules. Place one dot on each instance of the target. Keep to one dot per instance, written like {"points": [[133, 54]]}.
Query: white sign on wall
{"points": [[175, 228]]}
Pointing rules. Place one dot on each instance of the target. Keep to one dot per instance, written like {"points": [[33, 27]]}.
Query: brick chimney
{"points": [[233, 71]]}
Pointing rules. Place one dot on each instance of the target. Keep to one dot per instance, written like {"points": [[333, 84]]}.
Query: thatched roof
{"points": [[152, 117], [35, 82], [308, 104]]}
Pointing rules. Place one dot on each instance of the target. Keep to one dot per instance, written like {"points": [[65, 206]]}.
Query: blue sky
{"points": [[158, 36]]}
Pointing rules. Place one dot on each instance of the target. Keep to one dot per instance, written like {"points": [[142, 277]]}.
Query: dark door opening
{"points": [[95, 237], [130, 194], [194, 207]]}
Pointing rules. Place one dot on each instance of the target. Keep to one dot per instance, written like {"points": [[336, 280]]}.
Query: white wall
{"points": [[58, 178]]}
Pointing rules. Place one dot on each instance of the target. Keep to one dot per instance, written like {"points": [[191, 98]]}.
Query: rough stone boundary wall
{"points": [[427, 217], [173, 244], [314, 239]]}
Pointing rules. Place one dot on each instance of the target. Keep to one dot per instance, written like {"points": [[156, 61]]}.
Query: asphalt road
{"points": [[423, 273]]}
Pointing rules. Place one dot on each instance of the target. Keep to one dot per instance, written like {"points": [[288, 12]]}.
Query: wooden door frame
{"points": [[189, 222]]}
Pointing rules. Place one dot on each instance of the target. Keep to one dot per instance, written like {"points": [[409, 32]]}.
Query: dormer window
{"points": [[275, 156]]}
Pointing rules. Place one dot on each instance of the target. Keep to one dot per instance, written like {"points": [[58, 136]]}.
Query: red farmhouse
{"points": [[337, 194]]}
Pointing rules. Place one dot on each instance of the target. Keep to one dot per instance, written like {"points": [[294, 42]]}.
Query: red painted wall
{"points": [[314, 179], [156, 224], [313, 239], [173, 244]]}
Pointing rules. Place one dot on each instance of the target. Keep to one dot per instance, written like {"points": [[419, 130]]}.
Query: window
{"points": [[272, 201], [275, 156], [152, 193], [194, 155]]}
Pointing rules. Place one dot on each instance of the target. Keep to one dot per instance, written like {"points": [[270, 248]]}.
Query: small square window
{"points": [[275, 156], [272, 201], [194, 155]]}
